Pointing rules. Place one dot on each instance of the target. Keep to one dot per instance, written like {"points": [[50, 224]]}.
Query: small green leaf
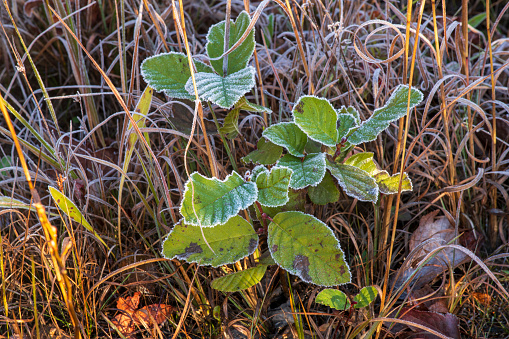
{"points": [[240, 280], [364, 161], [365, 297], [390, 184], [351, 110], [70, 209], [239, 58], [169, 72], [317, 118], [209, 202], [325, 192], [306, 247], [296, 202], [477, 19], [245, 105], [230, 126], [347, 121], [273, 186], [333, 298], [230, 242], [224, 92], [354, 181], [306, 171], [266, 153], [288, 135], [395, 108], [5, 162]]}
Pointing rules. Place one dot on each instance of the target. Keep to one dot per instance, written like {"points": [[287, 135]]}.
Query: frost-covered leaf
{"points": [[230, 242], [273, 186], [346, 122], [240, 280], [395, 108], [245, 105], [169, 72], [317, 118], [256, 171], [351, 110], [230, 126], [325, 192], [239, 58], [70, 209], [306, 247], [266, 153], [389, 184], [296, 202], [209, 202], [364, 161], [224, 92], [288, 135], [354, 181], [365, 297], [307, 171], [333, 298]]}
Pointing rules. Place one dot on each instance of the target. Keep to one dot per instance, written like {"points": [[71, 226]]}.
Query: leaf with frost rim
{"points": [[343, 130], [240, 280], [287, 135], [326, 187], [264, 149], [388, 184], [268, 185], [212, 217], [364, 161], [315, 274], [188, 240], [352, 111], [244, 105], [224, 92], [340, 171], [319, 125], [297, 165]]}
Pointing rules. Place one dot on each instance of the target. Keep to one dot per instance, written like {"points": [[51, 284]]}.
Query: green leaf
{"points": [[266, 153], [288, 135], [354, 181], [224, 92], [239, 58], [245, 105], [395, 108], [333, 298], [389, 184], [214, 201], [306, 247], [70, 209], [325, 192], [231, 124], [351, 110], [477, 19], [306, 171], [296, 202], [348, 120], [273, 186], [365, 297], [240, 280], [364, 161], [5, 162], [317, 118], [230, 242], [169, 72]]}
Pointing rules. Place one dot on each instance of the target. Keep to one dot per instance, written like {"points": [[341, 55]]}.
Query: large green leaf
{"points": [[325, 192], [266, 153], [230, 242], [230, 126], [169, 72], [273, 186], [288, 135], [306, 247], [389, 184], [240, 280], [365, 297], [333, 298], [354, 181], [307, 171], [209, 202], [395, 108], [364, 161], [224, 92], [239, 58], [317, 118]]}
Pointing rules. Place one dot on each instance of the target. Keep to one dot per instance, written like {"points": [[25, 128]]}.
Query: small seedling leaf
{"points": [[209, 202], [395, 108], [273, 186], [266, 153], [325, 192], [231, 124], [365, 297], [237, 59], [230, 242], [245, 105], [354, 181], [224, 92], [240, 280], [169, 73], [389, 184], [307, 171], [306, 247], [333, 298], [288, 135], [317, 118]]}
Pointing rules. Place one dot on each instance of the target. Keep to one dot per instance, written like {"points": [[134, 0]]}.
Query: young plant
{"points": [[317, 141]]}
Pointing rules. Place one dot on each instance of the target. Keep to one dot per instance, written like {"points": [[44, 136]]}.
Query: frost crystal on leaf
{"points": [[273, 186], [309, 171]]}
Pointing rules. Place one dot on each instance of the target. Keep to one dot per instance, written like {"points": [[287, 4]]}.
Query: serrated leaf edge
{"points": [[268, 173], [315, 184]]}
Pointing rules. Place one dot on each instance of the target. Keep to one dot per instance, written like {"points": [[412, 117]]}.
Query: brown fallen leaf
{"points": [[445, 324], [153, 313]]}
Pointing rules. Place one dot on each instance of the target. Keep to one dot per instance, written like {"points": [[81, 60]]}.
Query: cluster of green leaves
{"points": [[339, 300]]}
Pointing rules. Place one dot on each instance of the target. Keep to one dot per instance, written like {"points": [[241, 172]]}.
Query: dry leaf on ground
{"points": [[446, 324]]}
